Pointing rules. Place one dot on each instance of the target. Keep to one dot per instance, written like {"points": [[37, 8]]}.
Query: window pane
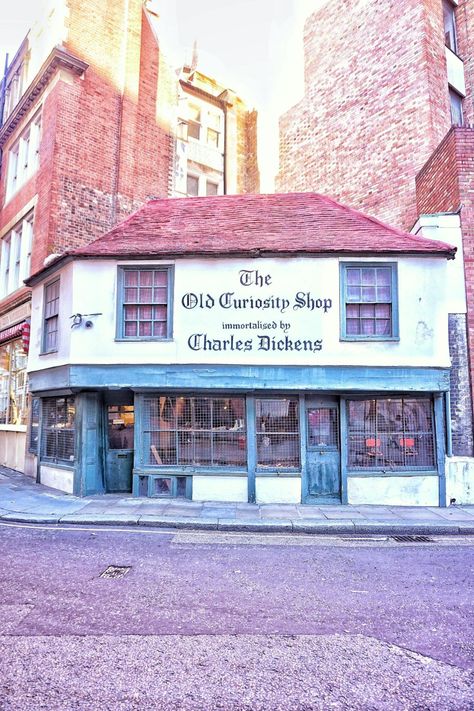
{"points": [[392, 434], [277, 426], [146, 278], [368, 277], [353, 277], [58, 433], [368, 293], [192, 430], [192, 186], [131, 278], [322, 427]]}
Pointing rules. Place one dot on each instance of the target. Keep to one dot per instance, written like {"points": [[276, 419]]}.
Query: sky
{"points": [[252, 46]]}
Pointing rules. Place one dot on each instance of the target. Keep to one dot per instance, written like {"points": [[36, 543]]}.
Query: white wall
{"points": [[62, 479], [220, 488], [393, 490], [61, 356], [278, 490], [460, 480], [422, 307]]}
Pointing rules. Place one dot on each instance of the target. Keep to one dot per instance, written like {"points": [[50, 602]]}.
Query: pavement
{"points": [[23, 500]]}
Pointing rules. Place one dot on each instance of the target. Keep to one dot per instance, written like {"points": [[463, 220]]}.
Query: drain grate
{"points": [[115, 571], [413, 539]]}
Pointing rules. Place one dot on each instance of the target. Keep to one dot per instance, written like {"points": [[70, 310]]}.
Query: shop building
{"points": [[270, 348]]}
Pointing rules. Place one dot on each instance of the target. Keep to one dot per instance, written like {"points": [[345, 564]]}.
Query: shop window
{"points": [[455, 101], [51, 317], [391, 434], [23, 157], [192, 186], [449, 25], [58, 429], [13, 384], [278, 435], [15, 256], [195, 431], [34, 426], [144, 307], [369, 309]]}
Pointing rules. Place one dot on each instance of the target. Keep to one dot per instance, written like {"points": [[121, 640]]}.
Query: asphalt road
{"points": [[233, 621]]}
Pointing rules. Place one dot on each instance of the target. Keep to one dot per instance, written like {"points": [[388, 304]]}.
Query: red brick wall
{"points": [[376, 105], [103, 151], [248, 175], [445, 184], [465, 39]]}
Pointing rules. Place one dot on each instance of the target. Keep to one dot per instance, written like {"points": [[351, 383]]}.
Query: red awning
{"points": [[8, 334]]}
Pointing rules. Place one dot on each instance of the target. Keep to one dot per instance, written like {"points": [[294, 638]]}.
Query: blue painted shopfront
{"points": [[115, 401]]}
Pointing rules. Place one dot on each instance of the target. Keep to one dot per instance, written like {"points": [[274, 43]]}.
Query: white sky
{"points": [[253, 46]]}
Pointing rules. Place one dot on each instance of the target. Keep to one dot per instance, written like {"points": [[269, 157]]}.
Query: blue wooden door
{"points": [[119, 448], [322, 475]]}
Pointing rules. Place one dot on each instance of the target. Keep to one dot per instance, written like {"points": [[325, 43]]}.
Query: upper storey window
{"points": [[369, 308], [449, 25], [15, 256], [23, 157], [144, 303], [14, 88]]}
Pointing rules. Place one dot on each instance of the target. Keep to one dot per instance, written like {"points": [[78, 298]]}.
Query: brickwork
{"points": [[461, 402], [446, 184], [248, 176], [465, 38], [375, 107]]}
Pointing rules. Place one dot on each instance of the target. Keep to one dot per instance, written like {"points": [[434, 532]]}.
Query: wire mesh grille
{"points": [[391, 433], [200, 431], [57, 442], [278, 435]]}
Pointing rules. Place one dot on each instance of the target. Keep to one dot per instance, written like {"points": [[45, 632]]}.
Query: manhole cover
{"points": [[413, 539], [115, 571]]}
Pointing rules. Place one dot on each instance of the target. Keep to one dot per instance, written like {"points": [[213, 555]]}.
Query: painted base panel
{"points": [[61, 479], [12, 449], [220, 488], [278, 490], [393, 491], [460, 480]]}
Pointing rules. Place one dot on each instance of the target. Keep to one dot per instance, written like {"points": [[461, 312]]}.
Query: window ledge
{"points": [[145, 339], [370, 339], [13, 428], [392, 473], [57, 465]]}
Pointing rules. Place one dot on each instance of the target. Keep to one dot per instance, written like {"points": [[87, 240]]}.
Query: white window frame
{"points": [[15, 255], [23, 156]]}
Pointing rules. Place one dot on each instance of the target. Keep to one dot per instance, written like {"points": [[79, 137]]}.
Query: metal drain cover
{"points": [[413, 539], [115, 571]]}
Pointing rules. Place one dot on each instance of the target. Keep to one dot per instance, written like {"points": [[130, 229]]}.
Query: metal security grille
{"points": [[34, 425], [57, 441], [201, 431], [278, 435], [391, 434]]}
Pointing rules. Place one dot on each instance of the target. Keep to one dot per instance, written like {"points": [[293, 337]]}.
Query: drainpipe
{"points": [[116, 177], [449, 436]]}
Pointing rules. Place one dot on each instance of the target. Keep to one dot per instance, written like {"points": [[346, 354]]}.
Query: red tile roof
{"points": [[252, 225], [288, 223]]}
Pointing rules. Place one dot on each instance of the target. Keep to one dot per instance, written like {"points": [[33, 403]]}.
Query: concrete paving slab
{"points": [[344, 515], [176, 522], [311, 525], [105, 519], [280, 526]]}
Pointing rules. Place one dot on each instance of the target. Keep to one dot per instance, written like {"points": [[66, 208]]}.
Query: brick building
{"points": [[384, 126], [87, 133]]}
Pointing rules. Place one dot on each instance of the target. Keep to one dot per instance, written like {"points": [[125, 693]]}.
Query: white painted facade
{"points": [[303, 298]]}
